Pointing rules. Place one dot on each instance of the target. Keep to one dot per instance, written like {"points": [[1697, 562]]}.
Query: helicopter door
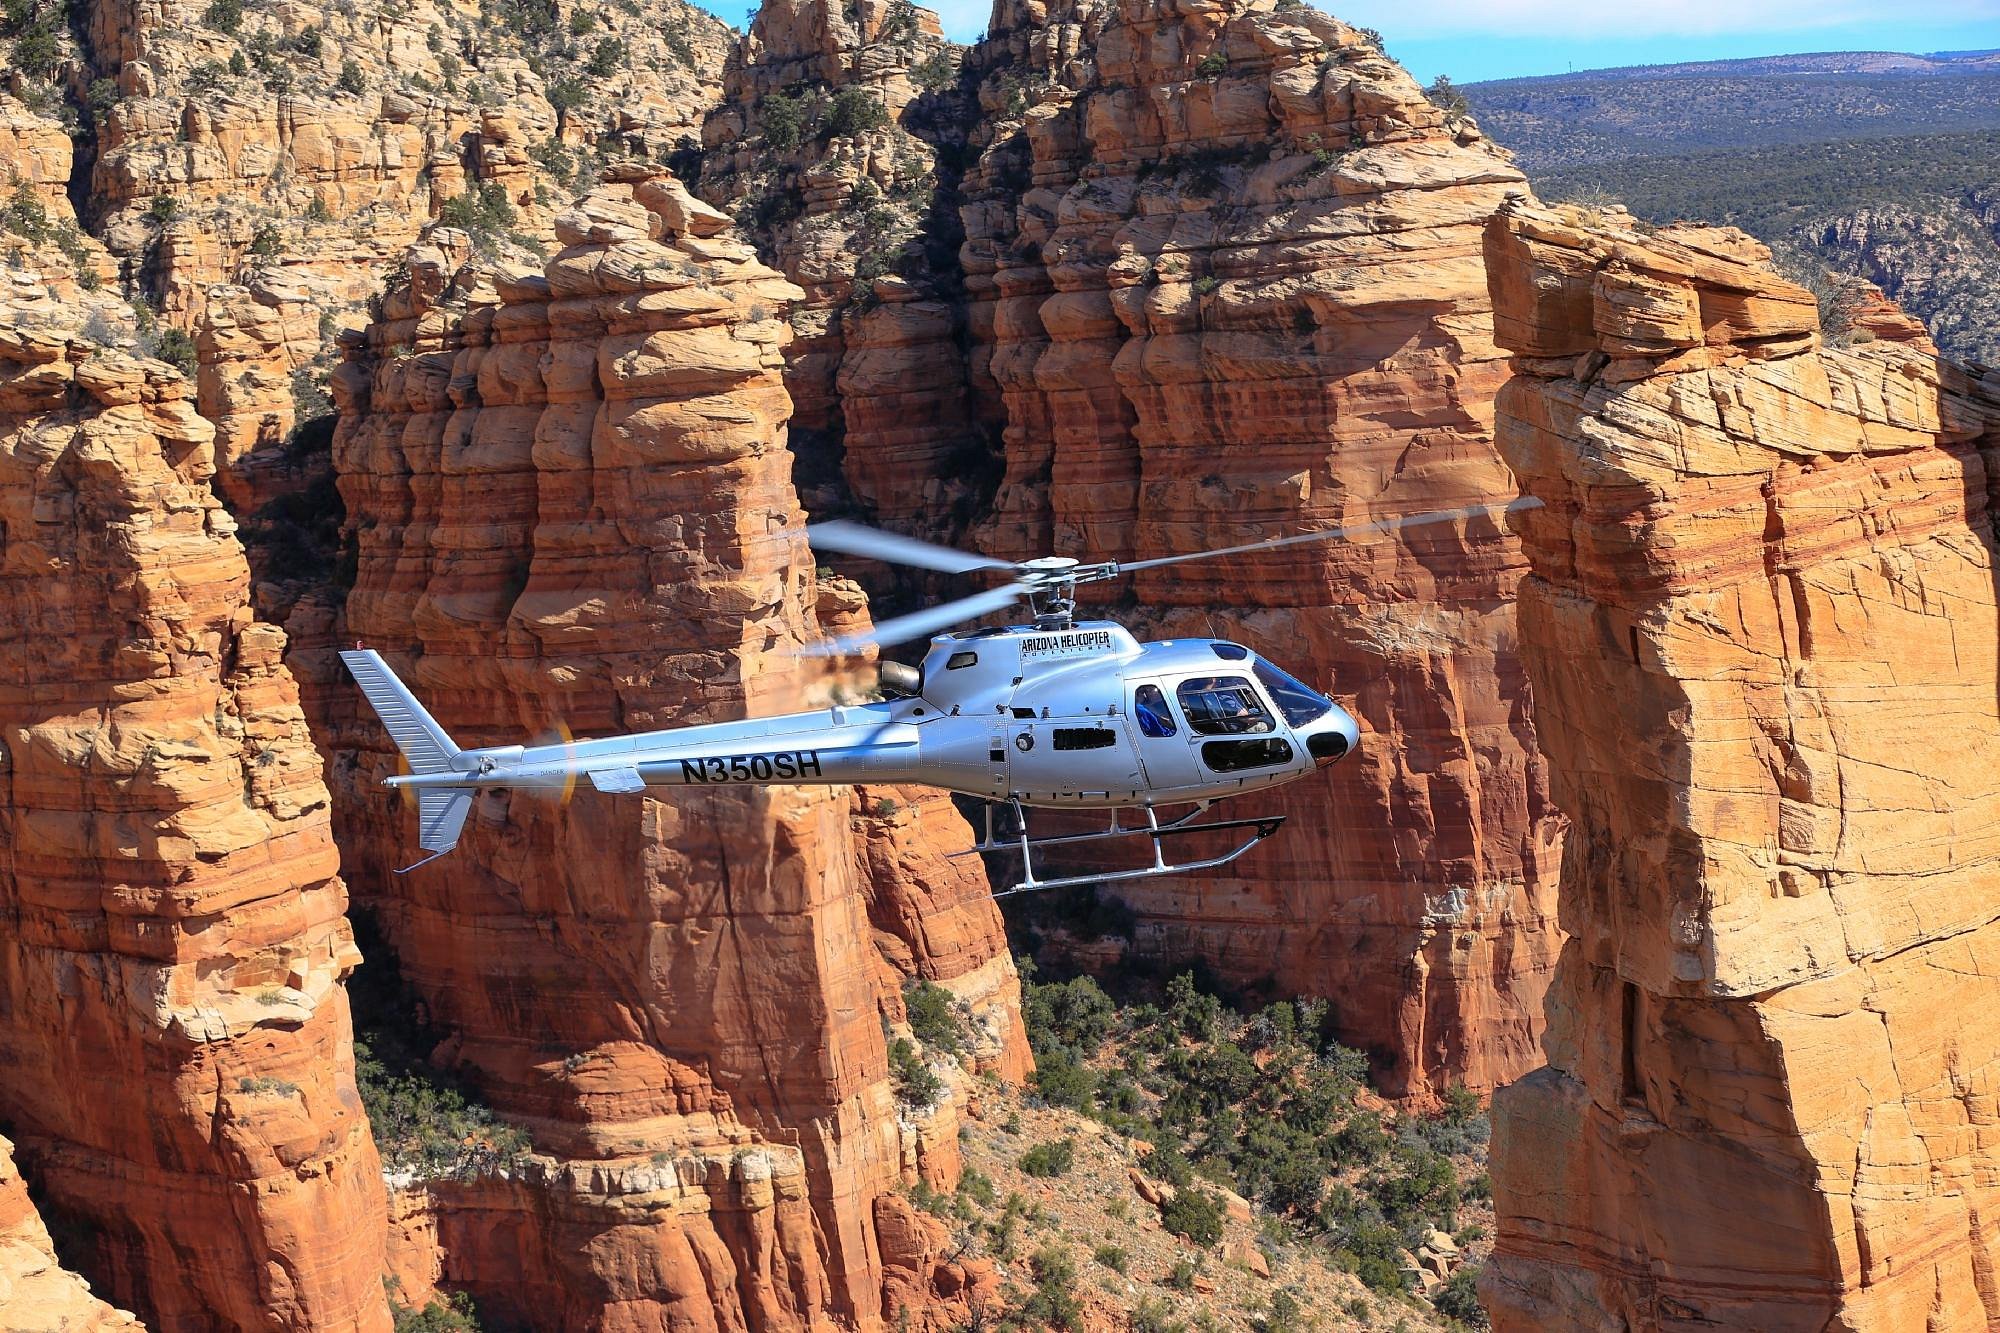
{"points": [[1161, 739], [1235, 731]]}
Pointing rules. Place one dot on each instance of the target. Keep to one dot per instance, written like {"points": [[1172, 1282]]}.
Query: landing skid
{"points": [[1261, 828]]}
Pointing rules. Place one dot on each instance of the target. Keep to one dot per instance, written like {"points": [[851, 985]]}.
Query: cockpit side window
{"points": [[1149, 705], [959, 661], [1222, 706], [1299, 702]]}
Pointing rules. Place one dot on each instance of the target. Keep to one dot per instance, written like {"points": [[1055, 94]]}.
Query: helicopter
{"points": [[1057, 713]]}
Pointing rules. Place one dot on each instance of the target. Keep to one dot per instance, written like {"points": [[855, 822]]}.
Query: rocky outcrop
{"points": [[1761, 625], [570, 507], [826, 146], [173, 1021], [37, 1293], [225, 139], [1226, 283]]}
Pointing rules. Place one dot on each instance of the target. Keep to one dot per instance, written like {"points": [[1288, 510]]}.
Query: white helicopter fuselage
{"points": [[1081, 717]]}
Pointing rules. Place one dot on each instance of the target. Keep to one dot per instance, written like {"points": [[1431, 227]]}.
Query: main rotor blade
{"points": [[921, 624], [1335, 534], [855, 539]]}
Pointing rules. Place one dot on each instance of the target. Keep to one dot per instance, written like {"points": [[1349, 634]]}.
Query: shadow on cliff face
{"points": [[291, 533]]}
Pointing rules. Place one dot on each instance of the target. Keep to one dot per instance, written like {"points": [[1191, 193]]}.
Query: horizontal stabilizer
{"points": [[617, 780]]}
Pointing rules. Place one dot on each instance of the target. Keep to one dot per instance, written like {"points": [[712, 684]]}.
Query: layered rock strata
{"points": [[570, 507], [1761, 625], [826, 145], [172, 940], [1225, 280], [36, 1292]]}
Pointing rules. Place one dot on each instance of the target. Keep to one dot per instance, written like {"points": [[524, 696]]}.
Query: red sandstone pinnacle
{"points": [[1761, 624], [1226, 283], [173, 1017], [570, 499]]}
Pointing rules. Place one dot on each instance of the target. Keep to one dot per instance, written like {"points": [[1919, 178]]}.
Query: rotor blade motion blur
{"points": [[921, 624], [1335, 534], [854, 539]]}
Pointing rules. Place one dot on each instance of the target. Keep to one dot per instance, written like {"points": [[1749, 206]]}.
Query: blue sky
{"points": [[1492, 39]]}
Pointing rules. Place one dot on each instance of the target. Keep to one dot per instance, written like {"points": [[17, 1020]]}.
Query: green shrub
{"points": [[351, 79], [935, 72], [1458, 1298], [1150, 1315], [1286, 1315], [567, 94], [1054, 1301], [917, 1086], [25, 215], [784, 120], [456, 1315], [933, 1015], [855, 110], [1211, 65], [1195, 1214], [606, 58], [175, 348], [1181, 1276], [1446, 97], [1050, 1159], [223, 15], [1112, 1257], [37, 52], [307, 42], [976, 1186]]}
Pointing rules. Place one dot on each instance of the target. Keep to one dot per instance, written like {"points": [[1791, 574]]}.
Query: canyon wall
{"points": [[36, 1291], [827, 146], [570, 507], [173, 1017], [1225, 283], [1761, 626]]}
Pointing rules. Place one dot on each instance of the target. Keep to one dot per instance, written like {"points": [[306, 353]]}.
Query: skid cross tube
{"points": [[1117, 830], [1261, 827]]}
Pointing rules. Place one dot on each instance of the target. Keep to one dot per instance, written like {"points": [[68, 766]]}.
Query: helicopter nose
{"points": [[1337, 733]]}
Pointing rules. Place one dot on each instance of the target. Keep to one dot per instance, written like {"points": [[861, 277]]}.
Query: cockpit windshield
{"points": [[1300, 703]]}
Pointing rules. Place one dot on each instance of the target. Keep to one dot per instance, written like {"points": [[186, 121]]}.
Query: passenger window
{"points": [[1085, 738], [1149, 705], [1222, 706], [958, 660], [1235, 756]]}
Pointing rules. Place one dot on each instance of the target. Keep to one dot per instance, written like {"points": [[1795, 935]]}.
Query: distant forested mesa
{"points": [[1879, 166], [1574, 120]]}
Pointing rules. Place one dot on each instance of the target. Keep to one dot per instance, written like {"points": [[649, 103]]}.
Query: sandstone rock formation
{"points": [[826, 147], [37, 1294], [220, 139], [172, 1015], [1761, 624], [570, 506], [1225, 283]]}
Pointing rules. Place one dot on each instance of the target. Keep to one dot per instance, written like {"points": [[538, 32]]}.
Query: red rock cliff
{"points": [[173, 1018], [1761, 624], [35, 1290], [571, 505], [1226, 283]]}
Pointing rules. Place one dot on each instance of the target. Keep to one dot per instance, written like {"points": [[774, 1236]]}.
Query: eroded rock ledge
{"points": [[173, 1018], [570, 506], [1761, 626]]}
